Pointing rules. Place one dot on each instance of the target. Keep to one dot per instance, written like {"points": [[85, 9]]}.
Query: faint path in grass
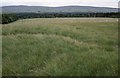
{"points": [[66, 38]]}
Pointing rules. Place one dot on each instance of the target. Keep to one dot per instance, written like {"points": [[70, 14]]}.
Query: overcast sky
{"points": [[55, 3]]}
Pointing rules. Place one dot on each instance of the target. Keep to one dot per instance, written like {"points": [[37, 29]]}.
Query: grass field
{"points": [[61, 47], [0, 50]]}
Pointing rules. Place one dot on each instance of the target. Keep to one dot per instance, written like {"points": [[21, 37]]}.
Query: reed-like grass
{"points": [[60, 47]]}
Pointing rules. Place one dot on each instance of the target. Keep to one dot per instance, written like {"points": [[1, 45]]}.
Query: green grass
{"points": [[60, 47], [0, 50]]}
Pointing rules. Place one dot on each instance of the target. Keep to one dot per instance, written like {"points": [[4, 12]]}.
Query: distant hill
{"points": [[43, 9]]}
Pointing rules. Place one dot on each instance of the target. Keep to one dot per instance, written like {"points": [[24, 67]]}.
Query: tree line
{"points": [[8, 18]]}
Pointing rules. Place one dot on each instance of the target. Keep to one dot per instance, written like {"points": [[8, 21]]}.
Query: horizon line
{"points": [[58, 6]]}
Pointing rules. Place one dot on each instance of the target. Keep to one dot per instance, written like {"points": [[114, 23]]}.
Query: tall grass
{"points": [[61, 47]]}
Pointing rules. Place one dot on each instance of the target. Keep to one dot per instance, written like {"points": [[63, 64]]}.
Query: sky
{"points": [[56, 3]]}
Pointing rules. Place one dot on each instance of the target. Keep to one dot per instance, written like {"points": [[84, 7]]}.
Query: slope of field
{"points": [[61, 47]]}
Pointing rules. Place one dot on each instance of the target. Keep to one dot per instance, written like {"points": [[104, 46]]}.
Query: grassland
{"points": [[60, 47], [0, 50]]}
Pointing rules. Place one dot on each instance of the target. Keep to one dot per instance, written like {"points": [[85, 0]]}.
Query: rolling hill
{"points": [[44, 9]]}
